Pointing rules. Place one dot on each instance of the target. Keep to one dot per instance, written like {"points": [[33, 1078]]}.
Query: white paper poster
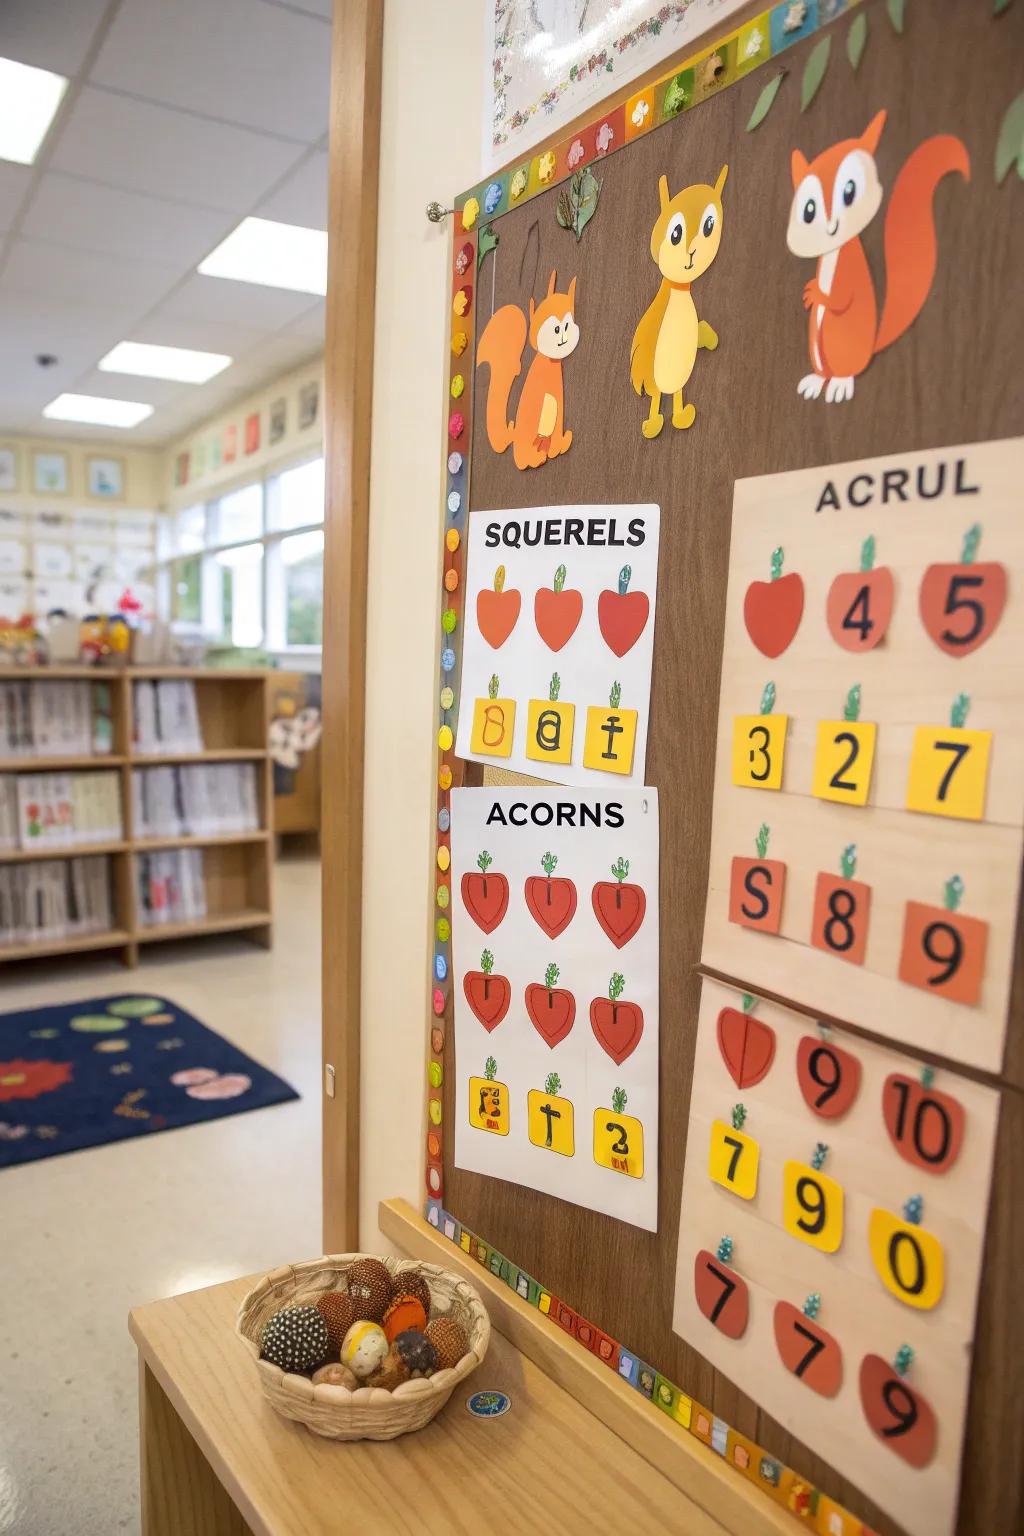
{"points": [[555, 981], [559, 636]]}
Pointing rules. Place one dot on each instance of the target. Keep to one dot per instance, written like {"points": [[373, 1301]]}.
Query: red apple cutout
{"points": [[925, 1126], [497, 612], [619, 907], [622, 616], [487, 995], [962, 604], [859, 604], [484, 896], [808, 1350], [557, 611], [721, 1294], [772, 609], [900, 1417], [829, 1077], [552, 1009], [551, 902], [747, 1046], [616, 1025]]}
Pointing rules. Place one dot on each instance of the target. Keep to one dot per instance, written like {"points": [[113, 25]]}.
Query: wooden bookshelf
{"points": [[237, 866]]}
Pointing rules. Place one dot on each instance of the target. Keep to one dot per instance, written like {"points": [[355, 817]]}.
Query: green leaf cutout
{"points": [[487, 241], [896, 9], [1010, 143], [814, 71], [856, 40], [1000, 6], [763, 104], [577, 201]]}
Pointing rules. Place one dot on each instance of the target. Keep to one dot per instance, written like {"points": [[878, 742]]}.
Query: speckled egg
{"points": [[363, 1348], [391, 1372], [335, 1375], [417, 1352], [405, 1312], [449, 1339], [369, 1285], [296, 1339], [339, 1313], [409, 1283]]}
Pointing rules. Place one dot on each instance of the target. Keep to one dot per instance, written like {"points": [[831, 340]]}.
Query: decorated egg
{"points": [[363, 1348], [411, 1283], [339, 1313], [295, 1339], [449, 1340], [417, 1352], [369, 1285], [391, 1372], [405, 1312], [335, 1375]]}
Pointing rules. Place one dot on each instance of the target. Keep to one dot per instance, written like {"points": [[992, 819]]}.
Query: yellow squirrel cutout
{"points": [[684, 243]]}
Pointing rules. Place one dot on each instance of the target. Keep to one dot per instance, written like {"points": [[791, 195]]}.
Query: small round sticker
{"points": [[440, 967], [451, 579], [447, 700], [488, 1405], [454, 502], [447, 659], [454, 462], [444, 819], [452, 539]]}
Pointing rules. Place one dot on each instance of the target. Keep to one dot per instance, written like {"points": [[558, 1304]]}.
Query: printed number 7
{"points": [[960, 750], [817, 1345], [730, 1141], [728, 1286]]}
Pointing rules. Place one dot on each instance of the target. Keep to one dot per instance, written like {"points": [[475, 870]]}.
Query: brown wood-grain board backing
{"points": [[953, 378]]}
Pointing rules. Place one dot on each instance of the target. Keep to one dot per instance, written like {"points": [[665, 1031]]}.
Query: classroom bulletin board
{"points": [[840, 943]]}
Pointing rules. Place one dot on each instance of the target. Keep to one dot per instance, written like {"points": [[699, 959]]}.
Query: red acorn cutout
{"points": [[746, 1044], [721, 1293], [896, 1412], [619, 907], [859, 604], [552, 1009], [806, 1348], [497, 611], [552, 902], [622, 616], [557, 611], [962, 604], [772, 609], [487, 995], [484, 896], [617, 1025]]}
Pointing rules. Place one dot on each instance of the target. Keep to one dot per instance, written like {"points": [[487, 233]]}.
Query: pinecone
{"points": [[296, 1339]]}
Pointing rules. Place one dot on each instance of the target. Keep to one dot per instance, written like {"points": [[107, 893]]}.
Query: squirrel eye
{"points": [[810, 209], [556, 327], [709, 224], [677, 234], [849, 193]]}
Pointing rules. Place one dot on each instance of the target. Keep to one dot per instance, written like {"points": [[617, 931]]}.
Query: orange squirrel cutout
{"points": [[538, 431], [835, 197]]}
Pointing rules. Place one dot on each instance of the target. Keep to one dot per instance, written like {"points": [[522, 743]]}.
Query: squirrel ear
{"points": [[799, 167], [572, 295], [720, 183], [663, 192], [873, 132], [551, 283]]}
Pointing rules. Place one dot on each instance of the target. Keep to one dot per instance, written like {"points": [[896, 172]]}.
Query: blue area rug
{"points": [[115, 1068]]}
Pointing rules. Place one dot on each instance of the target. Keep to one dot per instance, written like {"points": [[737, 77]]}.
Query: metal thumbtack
{"points": [[437, 212]]}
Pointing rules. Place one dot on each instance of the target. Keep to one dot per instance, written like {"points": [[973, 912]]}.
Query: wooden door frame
{"points": [[356, 54]]}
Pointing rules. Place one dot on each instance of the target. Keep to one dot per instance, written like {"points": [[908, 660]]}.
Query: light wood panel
{"points": [[352, 259]]}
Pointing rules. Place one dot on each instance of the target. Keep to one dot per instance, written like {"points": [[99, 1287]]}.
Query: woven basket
{"points": [[368, 1413]]}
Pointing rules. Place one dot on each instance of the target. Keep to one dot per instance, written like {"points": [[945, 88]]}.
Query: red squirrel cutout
{"points": [[835, 197]]}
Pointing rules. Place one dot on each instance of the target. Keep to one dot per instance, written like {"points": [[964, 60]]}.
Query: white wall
{"points": [[430, 148]]}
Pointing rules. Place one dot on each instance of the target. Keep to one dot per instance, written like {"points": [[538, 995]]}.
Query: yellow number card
{"points": [[550, 1122], [619, 1143], [949, 772], [758, 749], [843, 759], [812, 1206], [908, 1259], [733, 1159]]}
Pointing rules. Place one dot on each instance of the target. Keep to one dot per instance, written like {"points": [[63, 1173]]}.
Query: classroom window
{"points": [[235, 610], [186, 601], [190, 530], [302, 561], [238, 516], [295, 497]]}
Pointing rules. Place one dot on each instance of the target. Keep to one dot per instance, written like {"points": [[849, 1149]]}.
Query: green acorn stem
{"points": [[615, 695], [487, 962], [848, 861], [624, 579], [867, 553], [616, 986], [551, 976], [484, 861], [777, 558], [761, 841], [952, 893], [620, 869], [548, 863], [559, 581], [768, 699], [492, 686], [554, 687], [972, 538], [851, 709]]}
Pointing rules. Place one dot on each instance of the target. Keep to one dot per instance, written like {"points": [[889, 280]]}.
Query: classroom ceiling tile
{"points": [[163, 330], [51, 34], [14, 181], [217, 298], [126, 386], [311, 324], [93, 217], [323, 8], [302, 197], [76, 334], [55, 272], [137, 145], [263, 66]]}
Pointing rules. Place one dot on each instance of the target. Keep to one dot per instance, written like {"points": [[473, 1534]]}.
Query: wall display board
{"points": [[555, 973], [833, 1214], [783, 264], [869, 800], [556, 667]]}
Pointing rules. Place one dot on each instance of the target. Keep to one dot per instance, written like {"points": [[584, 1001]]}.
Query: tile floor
{"points": [[86, 1236]]}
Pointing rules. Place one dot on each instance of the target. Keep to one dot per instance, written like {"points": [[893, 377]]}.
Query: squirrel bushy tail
{"points": [[910, 245], [502, 345]]}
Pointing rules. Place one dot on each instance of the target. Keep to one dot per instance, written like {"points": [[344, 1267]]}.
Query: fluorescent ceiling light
{"points": [[275, 255], [29, 99], [97, 411], [153, 362]]}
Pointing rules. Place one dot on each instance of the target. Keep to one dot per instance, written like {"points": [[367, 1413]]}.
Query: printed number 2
{"points": [[843, 759]]}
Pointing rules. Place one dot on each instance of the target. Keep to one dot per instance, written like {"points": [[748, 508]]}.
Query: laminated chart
{"points": [[832, 1243], [559, 636], [555, 979], [869, 799]]}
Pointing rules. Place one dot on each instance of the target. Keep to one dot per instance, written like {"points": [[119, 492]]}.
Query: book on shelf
{"points": [[59, 810], [166, 716], [62, 718], [195, 800], [55, 899], [171, 887]]}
